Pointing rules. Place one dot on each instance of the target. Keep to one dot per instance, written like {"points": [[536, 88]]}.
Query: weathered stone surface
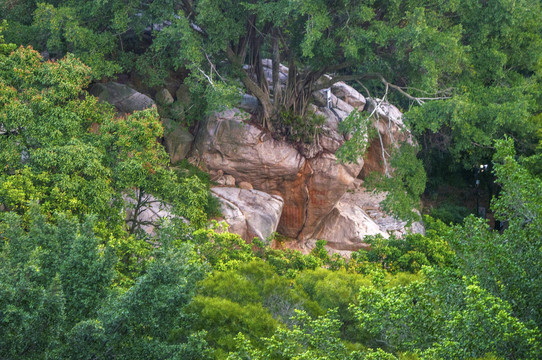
{"points": [[229, 180], [249, 103], [250, 213], [123, 97], [385, 111], [178, 140], [346, 226], [249, 154], [349, 95], [244, 151], [245, 185], [163, 97], [310, 188], [320, 99], [232, 215], [309, 178], [330, 139]]}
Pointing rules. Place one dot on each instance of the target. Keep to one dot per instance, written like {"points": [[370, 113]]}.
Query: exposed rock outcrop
{"points": [[310, 186], [298, 190], [249, 213], [308, 177]]}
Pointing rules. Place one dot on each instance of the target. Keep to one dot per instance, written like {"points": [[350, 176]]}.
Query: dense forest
{"points": [[82, 278]]}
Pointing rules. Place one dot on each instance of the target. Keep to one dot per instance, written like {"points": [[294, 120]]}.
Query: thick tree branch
{"points": [[332, 80]]}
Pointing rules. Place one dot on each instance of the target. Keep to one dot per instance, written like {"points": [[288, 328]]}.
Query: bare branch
{"points": [[364, 88]]}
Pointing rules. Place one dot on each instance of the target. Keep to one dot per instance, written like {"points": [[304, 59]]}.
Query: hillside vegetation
{"points": [[82, 277]]}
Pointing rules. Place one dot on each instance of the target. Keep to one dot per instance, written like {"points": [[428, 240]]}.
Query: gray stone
{"points": [[349, 95], [356, 215], [346, 227], [249, 103], [123, 97], [178, 140], [163, 97]]}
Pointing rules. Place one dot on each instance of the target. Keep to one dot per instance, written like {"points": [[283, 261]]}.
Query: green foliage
{"points": [[51, 276], [5, 49], [405, 185], [413, 251], [223, 319], [185, 170], [507, 264], [61, 32], [308, 339], [252, 298], [498, 92], [450, 213], [298, 128], [359, 126], [138, 323], [289, 262], [222, 250], [444, 317], [55, 155]]}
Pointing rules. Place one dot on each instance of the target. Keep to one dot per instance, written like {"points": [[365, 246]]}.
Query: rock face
{"points": [[164, 97], [349, 95], [123, 97], [346, 226], [250, 213]]}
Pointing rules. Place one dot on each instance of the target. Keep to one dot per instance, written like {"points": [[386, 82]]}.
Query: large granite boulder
{"points": [[345, 228], [249, 213], [123, 97], [326, 184], [225, 142], [308, 177]]}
